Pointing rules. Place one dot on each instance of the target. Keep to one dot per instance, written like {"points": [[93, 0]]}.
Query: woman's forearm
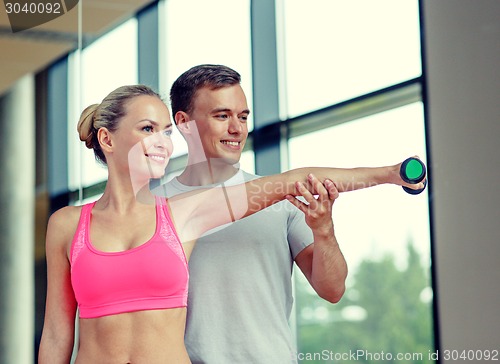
{"points": [[349, 179], [265, 191]]}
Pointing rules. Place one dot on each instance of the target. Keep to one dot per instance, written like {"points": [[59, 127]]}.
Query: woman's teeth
{"points": [[157, 158]]}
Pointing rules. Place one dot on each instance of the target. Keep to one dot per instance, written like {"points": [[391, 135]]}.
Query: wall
{"points": [[462, 51]]}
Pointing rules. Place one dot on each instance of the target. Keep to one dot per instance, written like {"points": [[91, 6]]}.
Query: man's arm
{"points": [[322, 262]]}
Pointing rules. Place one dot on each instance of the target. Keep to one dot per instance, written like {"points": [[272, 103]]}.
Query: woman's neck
{"points": [[123, 196]]}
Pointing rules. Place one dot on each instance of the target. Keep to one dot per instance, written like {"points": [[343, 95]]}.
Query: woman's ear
{"points": [[105, 140], [182, 121]]}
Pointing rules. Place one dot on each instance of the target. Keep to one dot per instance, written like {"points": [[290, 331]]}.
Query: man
{"points": [[240, 291]]}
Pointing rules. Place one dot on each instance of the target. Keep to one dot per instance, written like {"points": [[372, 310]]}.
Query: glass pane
{"points": [[336, 50], [384, 235], [106, 64], [247, 161], [218, 32]]}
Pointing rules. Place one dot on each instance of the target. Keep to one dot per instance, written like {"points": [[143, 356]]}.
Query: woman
{"points": [[122, 260]]}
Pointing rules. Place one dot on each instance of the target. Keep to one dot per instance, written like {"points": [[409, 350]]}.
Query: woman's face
{"points": [[142, 140]]}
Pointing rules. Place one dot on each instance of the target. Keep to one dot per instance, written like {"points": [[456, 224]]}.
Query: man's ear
{"points": [[105, 140], [182, 121]]}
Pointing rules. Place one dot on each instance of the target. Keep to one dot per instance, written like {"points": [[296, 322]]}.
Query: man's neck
{"points": [[207, 173]]}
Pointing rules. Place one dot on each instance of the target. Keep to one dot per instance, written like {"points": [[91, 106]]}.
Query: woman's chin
{"points": [[157, 171], [146, 173], [157, 175]]}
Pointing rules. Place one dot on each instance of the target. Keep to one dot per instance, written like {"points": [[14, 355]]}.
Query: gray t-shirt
{"points": [[240, 289]]}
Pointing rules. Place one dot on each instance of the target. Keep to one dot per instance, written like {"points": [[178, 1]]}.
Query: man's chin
{"points": [[225, 160]]}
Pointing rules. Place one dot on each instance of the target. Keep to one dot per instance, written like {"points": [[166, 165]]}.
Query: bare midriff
{"points": [[149, 337]]}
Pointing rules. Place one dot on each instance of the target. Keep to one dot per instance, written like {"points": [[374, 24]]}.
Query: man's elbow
{"points": [[331, 290], [332, 295]]}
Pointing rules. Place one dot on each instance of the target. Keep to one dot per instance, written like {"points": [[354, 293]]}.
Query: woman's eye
{"points": [[148, 128], [168, 132]]}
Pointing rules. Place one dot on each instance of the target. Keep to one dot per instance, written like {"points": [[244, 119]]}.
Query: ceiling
{"points": [[31, 50]]}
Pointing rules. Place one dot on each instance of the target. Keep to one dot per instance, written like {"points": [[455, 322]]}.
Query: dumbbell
{"points": [[413, 171]]}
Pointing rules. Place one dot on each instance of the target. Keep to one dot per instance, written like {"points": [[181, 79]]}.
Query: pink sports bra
{"points": [[151, 276]]}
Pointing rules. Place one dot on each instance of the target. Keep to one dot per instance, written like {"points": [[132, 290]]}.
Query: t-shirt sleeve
{"points": [[299, 233]]}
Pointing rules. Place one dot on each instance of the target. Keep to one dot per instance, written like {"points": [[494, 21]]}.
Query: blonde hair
{"points": [[107, 114]]}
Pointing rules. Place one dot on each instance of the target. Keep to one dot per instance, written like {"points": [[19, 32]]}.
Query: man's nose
{"points": [[235, 125]]}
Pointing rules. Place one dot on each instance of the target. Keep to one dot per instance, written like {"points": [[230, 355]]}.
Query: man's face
{"points": [[221, 119]]}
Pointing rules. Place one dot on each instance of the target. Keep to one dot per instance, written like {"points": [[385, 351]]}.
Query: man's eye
{"points": [[222, 116]]}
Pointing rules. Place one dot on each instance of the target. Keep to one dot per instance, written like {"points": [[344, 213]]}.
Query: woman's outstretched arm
{"points": [[265, 191], [205, 209]]}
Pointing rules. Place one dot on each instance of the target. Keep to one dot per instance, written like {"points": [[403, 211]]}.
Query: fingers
{"points": [[318, 188], [299, 204], [333, 192], [319, 198], [326, 192], [309, 191], [313, 188], [416, 186]]}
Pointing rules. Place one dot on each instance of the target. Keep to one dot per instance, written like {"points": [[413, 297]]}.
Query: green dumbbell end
{"points": [[413, 171]]}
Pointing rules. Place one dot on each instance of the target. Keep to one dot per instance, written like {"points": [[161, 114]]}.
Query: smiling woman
{"points": [[98, 253]]}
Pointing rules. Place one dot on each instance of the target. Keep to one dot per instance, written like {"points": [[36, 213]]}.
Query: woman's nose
{"points": [[161, 140]]}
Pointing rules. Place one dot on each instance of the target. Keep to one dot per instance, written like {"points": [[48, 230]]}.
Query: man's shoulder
{"points": [[167, 189], [174, 187]]}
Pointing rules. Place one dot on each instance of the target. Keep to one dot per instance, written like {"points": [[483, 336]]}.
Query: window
{"points": [[384, 235], [337, 50], [247, 161], [109, 62], [218, 32]]}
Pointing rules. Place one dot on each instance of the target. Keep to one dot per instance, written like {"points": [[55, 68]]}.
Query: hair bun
{"points": [[85, 126]]}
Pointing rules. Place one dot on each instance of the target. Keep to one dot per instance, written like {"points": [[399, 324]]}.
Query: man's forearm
{"points": [[329, 268]]}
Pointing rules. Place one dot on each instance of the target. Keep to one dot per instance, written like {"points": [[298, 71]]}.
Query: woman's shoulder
{"points": [[65, 220], [66, 214]]}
